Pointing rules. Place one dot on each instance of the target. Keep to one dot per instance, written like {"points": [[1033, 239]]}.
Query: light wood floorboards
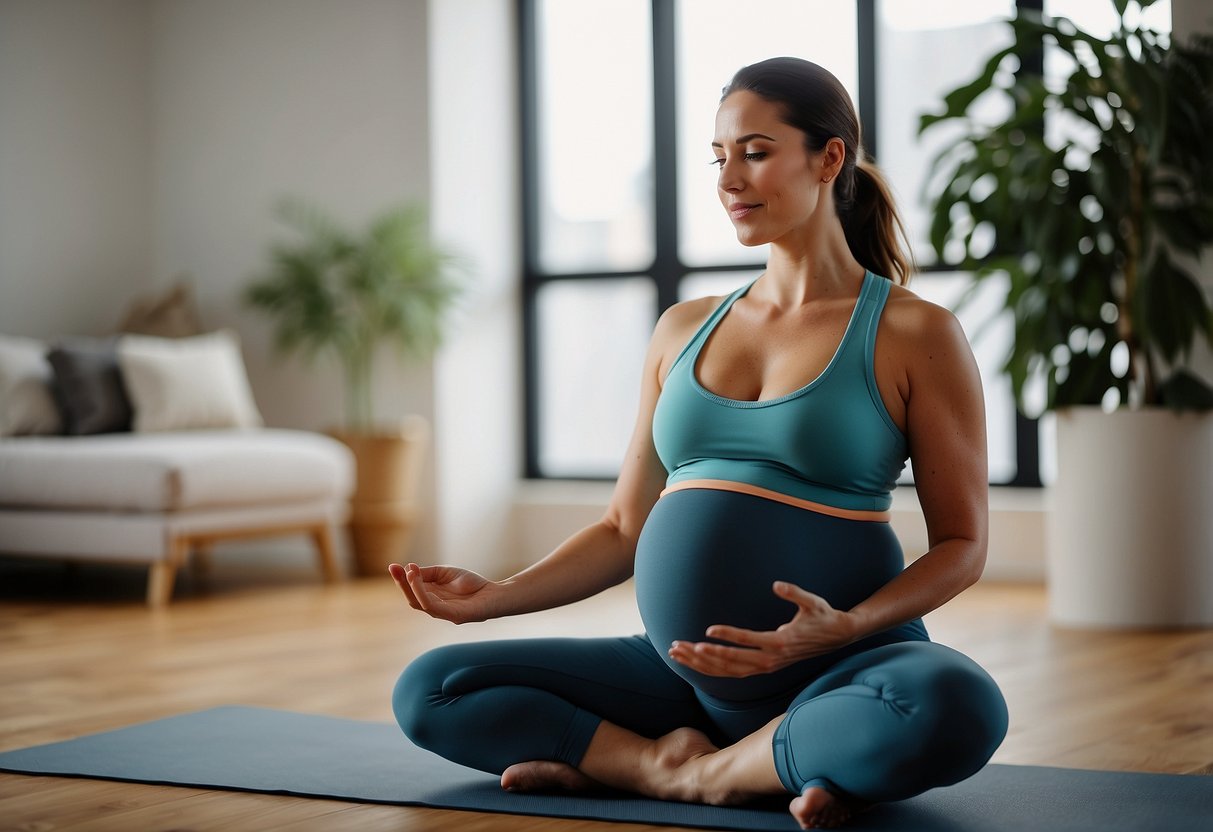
{"points": [[79, 653]]}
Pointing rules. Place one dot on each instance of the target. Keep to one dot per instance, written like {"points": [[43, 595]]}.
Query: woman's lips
{"points": [[739, 210]]}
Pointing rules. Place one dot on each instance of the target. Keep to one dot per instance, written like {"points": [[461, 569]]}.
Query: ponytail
{"points": [[873, 226]]}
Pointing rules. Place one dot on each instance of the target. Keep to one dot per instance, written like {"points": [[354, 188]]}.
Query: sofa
{"points": [[144, 449]]}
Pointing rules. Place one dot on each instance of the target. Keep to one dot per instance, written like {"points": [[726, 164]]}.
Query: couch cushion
{"points": [[173, 472], [26, 403], [196, 383], [88, 385]]}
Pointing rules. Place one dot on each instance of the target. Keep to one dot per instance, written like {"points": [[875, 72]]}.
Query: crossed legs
{"points": [[882, 725]]}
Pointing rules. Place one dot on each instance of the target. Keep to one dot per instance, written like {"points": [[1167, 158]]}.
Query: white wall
{"points": [[254, 100], [477, 382], [142, 139], [74, 180]]}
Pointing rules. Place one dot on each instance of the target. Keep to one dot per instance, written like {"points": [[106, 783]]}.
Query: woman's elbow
{"points": [[974, 562]]}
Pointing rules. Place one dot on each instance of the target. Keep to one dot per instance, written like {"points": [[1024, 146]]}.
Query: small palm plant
{"points": [[1095, 231], [337, 292]]}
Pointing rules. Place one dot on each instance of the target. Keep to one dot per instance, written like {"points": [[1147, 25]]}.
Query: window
{"points": [[620, 211]]}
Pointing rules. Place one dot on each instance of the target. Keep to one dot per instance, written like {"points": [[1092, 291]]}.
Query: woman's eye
{"points": [[749, 157]]}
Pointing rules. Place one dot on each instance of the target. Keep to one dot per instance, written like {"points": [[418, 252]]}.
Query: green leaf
{"points": [[957, 102], [1174, 307], [1183, 390]]}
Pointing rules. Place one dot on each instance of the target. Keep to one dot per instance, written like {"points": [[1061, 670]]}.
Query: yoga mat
{"points": [[280, 752]]}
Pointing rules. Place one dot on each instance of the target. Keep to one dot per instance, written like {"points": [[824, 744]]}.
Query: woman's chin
{"points": [[750, 239]]}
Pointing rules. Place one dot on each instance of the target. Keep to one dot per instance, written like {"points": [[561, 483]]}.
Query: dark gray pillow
{"points": [[88, 386]]}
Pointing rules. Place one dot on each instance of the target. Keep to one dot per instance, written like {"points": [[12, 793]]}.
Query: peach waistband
{"points": [[757, 491]]}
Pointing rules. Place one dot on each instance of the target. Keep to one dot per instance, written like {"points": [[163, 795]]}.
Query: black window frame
{"points": [[666, 269]]}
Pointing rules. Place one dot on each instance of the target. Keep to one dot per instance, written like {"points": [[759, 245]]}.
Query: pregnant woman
{"points": [[784, 648]]}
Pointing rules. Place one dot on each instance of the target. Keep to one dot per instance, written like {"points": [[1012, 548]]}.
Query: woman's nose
{"points": [[729, 178]]}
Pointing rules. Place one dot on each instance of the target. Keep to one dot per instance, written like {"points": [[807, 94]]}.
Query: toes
{"points": [[819, 809]]}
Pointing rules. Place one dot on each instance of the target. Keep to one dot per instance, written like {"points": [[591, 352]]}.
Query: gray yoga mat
{"points": [[280, 752]]}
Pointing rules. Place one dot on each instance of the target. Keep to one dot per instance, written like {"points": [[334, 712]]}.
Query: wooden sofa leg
{"points": [[322, 536], [200, 559], [164, 572]]}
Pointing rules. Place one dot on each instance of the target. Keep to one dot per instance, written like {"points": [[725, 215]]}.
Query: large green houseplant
{"points": [[1092, 230], [1096, 224], [346, 294]]}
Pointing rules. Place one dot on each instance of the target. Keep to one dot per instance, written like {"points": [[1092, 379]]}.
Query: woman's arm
{"points": [[944, 417], [946, 429], [595, 558]]}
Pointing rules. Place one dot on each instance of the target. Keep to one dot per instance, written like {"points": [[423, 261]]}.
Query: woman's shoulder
{"points": [[685, 317], [918, 327], [677, 325], [914, 316]]}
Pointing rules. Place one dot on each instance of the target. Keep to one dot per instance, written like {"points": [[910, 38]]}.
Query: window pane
{"points": [[919, 62], [715, 39], [595, 143], [990, 343], [593, 335]]}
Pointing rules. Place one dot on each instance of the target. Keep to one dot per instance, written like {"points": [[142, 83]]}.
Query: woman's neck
{"points": [[811, 266]]}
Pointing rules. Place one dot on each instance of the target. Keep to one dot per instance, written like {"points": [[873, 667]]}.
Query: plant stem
{"points": [[358, 388], [1141, 375]]}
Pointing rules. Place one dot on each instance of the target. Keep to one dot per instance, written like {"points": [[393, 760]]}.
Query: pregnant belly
{"points": [[710, 557]]}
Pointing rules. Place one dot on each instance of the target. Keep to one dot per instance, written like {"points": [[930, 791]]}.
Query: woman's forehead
{"points": [[744, 113]]}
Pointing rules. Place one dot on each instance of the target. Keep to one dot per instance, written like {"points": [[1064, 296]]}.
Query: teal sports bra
{"points": [[831, 443]]}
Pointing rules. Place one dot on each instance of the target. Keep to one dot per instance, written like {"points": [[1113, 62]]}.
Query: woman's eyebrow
{"points": [[746, 138]]}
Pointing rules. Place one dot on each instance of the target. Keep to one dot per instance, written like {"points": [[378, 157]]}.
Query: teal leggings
{"points": [[884, 724]]}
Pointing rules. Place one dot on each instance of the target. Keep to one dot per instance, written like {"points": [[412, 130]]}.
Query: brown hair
{"points": [[817, 104]]}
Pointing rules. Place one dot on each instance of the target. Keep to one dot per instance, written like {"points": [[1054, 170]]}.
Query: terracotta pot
{"points": [[383, 510], [1131, 527]]}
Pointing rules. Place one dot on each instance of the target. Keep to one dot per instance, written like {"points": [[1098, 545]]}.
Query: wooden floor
{"points": [[80, 653]]}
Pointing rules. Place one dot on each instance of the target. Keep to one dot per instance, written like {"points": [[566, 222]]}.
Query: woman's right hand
{"points": [[445, 592]]}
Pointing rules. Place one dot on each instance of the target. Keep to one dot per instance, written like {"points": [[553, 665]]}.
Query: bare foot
{"points": [[667, 769], [545, 775], [818, 808], [678, 767]]}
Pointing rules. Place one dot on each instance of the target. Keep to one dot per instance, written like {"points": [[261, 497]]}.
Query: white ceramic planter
{"points": [[1130, 529]]}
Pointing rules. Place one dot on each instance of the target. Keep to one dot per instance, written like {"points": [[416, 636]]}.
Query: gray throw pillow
{"points": [[88, 385]]}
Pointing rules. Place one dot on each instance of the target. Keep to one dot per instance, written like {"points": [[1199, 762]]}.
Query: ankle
{"points": [[717, 780], [672, 769]]}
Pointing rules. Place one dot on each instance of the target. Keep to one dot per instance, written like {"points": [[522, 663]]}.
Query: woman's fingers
{"points": [[721, 660], [798, 596], [416, 583], [400, 576], [736, 635]]}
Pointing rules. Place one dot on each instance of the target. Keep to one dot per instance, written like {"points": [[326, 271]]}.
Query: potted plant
{"points": [[1096, 225], [345, 294]]}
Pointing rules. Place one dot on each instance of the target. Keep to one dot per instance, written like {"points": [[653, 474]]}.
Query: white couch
{"points": [[157, 498], [148, 450]]}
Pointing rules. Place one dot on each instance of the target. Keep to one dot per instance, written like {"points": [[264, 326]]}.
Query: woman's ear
{"points": [[832, 157]]}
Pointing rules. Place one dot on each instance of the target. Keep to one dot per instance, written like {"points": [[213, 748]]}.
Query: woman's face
{"points": [[769, 183]]}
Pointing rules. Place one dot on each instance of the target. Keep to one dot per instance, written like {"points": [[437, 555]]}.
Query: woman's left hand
{"points": [[815, 629]]}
